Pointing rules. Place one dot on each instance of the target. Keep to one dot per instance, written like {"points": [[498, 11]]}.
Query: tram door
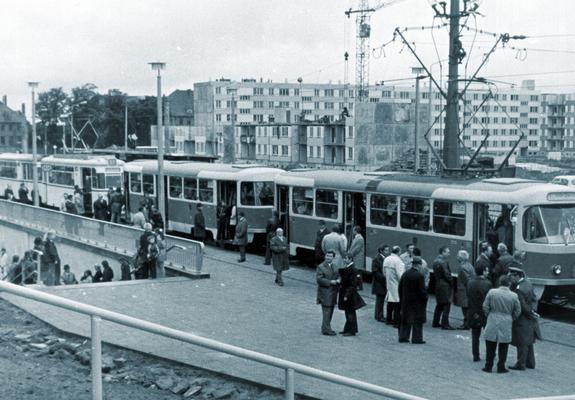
{"points": [[282, 206], [492, 223], [87, 189], [227, 194], [354, 213]]}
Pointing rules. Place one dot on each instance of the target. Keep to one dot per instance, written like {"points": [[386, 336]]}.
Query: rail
{"points": [[184, 254], [98, 314]]}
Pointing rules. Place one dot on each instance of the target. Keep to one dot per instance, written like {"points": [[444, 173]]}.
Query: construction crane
{"points": [[362, 48]]}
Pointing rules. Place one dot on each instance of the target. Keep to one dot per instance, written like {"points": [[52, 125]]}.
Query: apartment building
{"points": [[558, 126], [494, 118]]}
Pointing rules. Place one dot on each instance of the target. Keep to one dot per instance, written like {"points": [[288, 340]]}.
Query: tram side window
{"points": [[449, 217], [302, 200], [8, 169], [28, 172], [326, 203], [383, 210], [148, 184], [247, 196], [265, 193], [190, 189], [552, 224], [98, 180], [176, 187], [206, 190], [415, 214], [61, 175], [135, 182]]}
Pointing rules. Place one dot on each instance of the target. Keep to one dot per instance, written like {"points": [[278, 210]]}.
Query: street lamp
{"points": [[417, 71], [159, 66], [34, 85]]}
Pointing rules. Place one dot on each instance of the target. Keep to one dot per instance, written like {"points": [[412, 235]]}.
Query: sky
{"points": [[66, 43]]}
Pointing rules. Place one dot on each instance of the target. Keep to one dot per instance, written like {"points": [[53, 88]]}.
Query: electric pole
{"points": [[456, 53]]}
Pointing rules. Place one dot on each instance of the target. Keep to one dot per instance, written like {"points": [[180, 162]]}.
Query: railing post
{"points": [[289, 392], [96, 358]]}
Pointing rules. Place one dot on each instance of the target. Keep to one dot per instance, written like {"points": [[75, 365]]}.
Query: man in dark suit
{"points": [[51, 260], [271, 227], [199, 224], [101, 208], [379, 285], [484, 260], [413, 299], [241, 237], [327, 279], [502, 265], [443, 289], [477, 289], [320, 234]]}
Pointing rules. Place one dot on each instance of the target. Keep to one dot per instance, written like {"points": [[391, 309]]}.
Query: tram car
{"points": [[94, 174], [430, 212], [247, 188], [59, 174]]}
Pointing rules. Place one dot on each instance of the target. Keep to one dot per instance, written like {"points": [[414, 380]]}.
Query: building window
{"points": [[218, 117], [285, 131], [328, 105], [306, 99], [218, 90], [328, 92], [271, 91], [258, 91], [310, 151], [318, 151], [316, 105], [274, 150], [350, 132], [218, 104], [285, 150], [316, 92], [350, 153], [284, 92], [245, 98]]}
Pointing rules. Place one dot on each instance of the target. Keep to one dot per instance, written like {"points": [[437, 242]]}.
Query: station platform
{"points": [[241, 305]]}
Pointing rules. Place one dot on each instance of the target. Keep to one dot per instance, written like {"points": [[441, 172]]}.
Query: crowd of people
{"points": [[495, 296]]}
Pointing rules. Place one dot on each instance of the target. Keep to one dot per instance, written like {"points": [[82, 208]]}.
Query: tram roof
{"points": [[86, 160], [492, 190], [17, 157], [205, 170]]}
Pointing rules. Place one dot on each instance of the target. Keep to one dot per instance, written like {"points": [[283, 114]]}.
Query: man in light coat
{"points": [[393, 268], [327, 278], [357, 253], [332, 241], [407, 255], [502, 307]]}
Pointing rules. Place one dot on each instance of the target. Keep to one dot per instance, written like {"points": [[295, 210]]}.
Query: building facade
{"points": [[13, 130], [558, 126]]}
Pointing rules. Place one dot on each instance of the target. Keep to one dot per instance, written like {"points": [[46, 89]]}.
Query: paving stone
{"points": [[39, 346], [180, 388], [224, 393], [164, 382], [192, 391]]}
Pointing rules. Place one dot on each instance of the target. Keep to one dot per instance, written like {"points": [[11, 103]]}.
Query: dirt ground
{"points": [[40, 362]]}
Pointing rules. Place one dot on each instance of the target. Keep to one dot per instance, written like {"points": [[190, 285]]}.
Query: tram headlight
{"points": [[556, 269]]}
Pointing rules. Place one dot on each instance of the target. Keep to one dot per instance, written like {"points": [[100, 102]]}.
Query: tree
{"points": [[51, 107]]}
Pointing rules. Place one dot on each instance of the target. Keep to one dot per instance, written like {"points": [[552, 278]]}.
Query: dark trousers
{"points": [[490, 354], [57, 274], [406, 329], [464, 311], [279, 278], [327, 314], [115, 217], [441, 311], [475, 335], [242, 252], [350, 322], [392, 313], [268, 258], [525, 356], [379, 300]]}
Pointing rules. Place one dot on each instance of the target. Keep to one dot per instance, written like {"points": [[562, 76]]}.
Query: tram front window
{"points": [[550, 224], [114, 181]]}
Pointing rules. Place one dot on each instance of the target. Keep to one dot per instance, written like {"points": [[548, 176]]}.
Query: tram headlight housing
{"points": [[556, 269]]}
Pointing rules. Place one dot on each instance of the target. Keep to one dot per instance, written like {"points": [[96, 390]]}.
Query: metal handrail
{"points": [[98, 314]]}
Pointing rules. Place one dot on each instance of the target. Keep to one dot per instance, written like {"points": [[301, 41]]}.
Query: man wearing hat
{"points": [[199, 224], [413, 299]]}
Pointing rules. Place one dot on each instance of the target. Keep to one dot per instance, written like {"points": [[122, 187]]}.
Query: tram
{"points": [[431, 212], [247, 188], [59, 174]]}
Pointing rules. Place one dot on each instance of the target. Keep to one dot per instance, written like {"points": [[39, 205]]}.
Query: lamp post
{"points": [[159, 66], [32, 86], [417, 71]]}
